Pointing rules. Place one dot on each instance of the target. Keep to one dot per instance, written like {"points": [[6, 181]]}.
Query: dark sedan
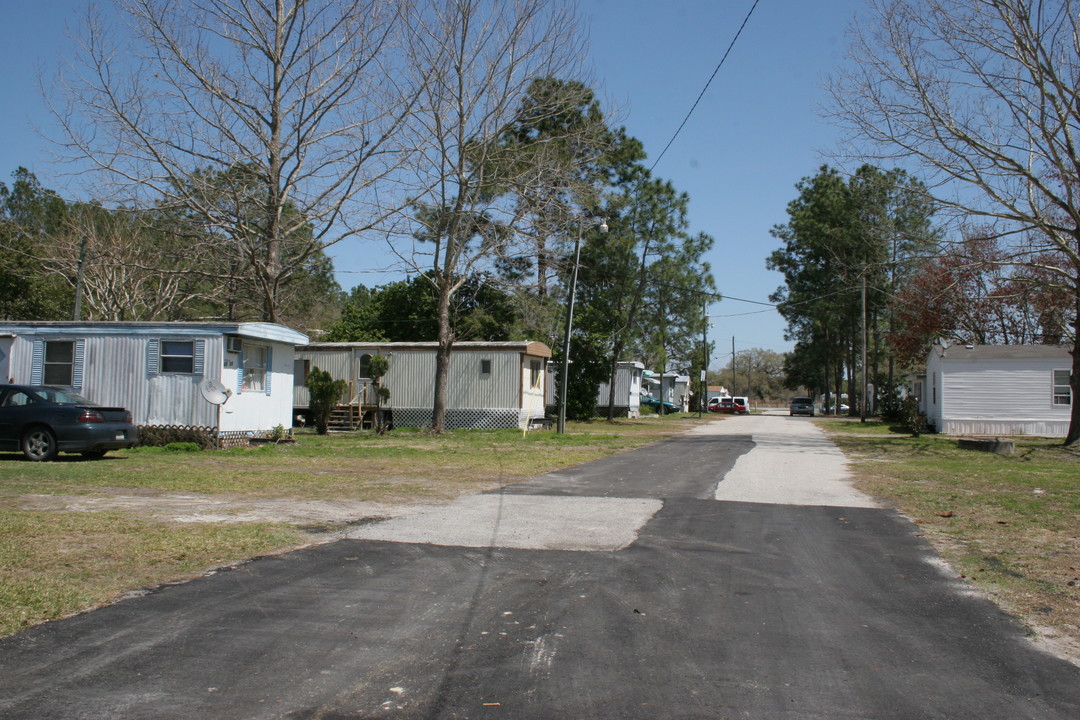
{"points": [[42, 421]]}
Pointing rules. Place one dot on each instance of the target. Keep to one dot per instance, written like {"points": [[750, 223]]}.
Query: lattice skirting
{"points": [[465, 418]]}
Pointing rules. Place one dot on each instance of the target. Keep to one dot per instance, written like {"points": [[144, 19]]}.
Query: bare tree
{"points": [[475, 61], [298, 98], [983, 94], [125, 268]]}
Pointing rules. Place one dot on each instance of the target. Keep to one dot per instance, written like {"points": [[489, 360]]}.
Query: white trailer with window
{"points": [[998, 389], [489, 385], [235, 378]]}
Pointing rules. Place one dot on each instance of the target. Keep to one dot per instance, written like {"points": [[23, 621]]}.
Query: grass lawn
{"points": [[1008, 524], [58, 561]]}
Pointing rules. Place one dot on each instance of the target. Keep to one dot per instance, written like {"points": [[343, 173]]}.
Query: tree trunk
{"points": [[442, 360], [1072, 438], [616, 351]]}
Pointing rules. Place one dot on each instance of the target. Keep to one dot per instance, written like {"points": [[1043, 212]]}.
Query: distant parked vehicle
{"points": [[42, 421], [654, 404], [801, 406], [728, 405]]}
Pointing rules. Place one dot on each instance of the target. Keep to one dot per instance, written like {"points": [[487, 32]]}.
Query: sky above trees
{"points": [[753, 136]]}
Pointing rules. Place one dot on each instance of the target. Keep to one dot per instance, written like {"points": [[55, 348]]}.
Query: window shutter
{"points": [[153, 356], [79, 363], [200, 357], [269, 368], [37, 362], [240, 372]]}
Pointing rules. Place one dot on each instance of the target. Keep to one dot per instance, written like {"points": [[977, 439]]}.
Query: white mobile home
{"points": [[235, 378], [489, 385], [998, 390], [627, 391]]}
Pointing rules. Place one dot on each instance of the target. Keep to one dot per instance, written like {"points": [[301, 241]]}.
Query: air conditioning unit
{"points": [[233, 343]]}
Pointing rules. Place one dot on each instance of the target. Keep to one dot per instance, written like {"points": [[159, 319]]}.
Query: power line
{"points": [[702, 94]]}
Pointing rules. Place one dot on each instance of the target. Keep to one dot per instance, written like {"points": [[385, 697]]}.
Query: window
{"points": [[1062, 391], [178, 356], [485, 367], [17, 398], [59, 362], [534, 373], [254, 367], [363, 370]]}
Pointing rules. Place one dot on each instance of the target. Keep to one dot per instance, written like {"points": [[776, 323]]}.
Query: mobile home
{"points": [[489, 385], [233, 378], [627, 391], [998, 389]]}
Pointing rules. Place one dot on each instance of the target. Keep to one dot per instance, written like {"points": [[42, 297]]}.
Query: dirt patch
{"points": [[198, 508]]}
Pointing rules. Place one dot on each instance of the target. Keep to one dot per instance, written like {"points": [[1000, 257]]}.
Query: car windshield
{"points": [[801, 400], [58, 396]]}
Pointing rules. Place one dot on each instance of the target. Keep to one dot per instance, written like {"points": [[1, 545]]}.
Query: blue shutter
{"points": [[269, 367], [240, 372], [37, 362], [77, 366], [200, 357], [153, 353]]}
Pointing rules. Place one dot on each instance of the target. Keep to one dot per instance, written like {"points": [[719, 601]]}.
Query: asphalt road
{"points": [[731, 573]]}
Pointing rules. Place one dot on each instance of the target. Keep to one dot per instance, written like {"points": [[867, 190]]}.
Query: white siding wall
{"points": [[256, 410], [994, 396], [1001, 396]]}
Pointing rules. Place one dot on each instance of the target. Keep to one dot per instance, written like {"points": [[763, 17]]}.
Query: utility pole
{"points": [[865, 399], [732, 366], [705, 356], [77, 312]]}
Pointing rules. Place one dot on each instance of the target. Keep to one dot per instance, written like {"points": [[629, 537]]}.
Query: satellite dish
{"points": [[214, 392]]}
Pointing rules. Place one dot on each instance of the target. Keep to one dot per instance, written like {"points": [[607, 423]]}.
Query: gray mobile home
{"points": [[627, 391], [235, 378], [490, 384]]}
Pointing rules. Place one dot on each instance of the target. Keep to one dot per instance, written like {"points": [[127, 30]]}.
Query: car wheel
{"points": [[94, 454], [39, 444]]}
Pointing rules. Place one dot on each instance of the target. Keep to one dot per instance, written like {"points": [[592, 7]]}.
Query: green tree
{"points": [[324, 393], [844, 236], [29, 215], [405, 311]]}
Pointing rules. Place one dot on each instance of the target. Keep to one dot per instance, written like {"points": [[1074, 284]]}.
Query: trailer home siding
{"points": [[489, 384], [996, 390], [130, 365]]}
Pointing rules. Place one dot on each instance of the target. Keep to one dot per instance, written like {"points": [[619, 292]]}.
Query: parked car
{"points": [[42, 421], [653, 404], [801, 406], [728, 405], [742, 405]]}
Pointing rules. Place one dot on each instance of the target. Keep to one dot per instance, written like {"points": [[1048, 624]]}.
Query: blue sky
{"points": [[756, 132]]}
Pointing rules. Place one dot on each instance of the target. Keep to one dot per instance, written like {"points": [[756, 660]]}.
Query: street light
{"points": [[603, 226]]}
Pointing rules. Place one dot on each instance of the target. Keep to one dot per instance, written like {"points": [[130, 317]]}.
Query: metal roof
{"points": [[256, 330], [1004, 352], [537, 349]]}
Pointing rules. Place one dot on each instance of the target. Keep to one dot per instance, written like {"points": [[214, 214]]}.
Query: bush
{"points": [[910, 417], [324, 393]]}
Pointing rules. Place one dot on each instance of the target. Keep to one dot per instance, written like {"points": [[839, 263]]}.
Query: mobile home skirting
{"points": [[1036, 428], [468, 418]]}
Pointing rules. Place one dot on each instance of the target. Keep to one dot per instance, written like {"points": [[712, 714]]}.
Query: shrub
{"points": [[323, 394]]}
